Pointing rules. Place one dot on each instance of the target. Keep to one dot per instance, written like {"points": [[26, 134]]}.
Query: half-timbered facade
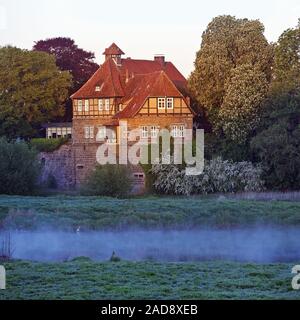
{"points": [[148, 94]]}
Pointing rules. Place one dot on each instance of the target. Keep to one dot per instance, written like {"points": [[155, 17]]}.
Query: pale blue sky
{"points": [[140, 28]]}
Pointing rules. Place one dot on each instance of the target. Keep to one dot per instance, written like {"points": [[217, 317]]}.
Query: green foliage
{"points": [[221, 146], [287, 62], [19, 168], [218, 176], [227, 43], [108, 180], [47, 145], [33, 91], [277, 144], [240, 112]]}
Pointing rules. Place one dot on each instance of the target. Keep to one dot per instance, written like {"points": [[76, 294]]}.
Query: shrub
{"points": [[108, 180], [19, 168], [47, 145], [218, 176]]}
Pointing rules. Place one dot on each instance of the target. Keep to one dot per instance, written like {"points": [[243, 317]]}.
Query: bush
{"points": [[19, 168], [108, 180], [218, 176], [278, 151], [47, 145]]}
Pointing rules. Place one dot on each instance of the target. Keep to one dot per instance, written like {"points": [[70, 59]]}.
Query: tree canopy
{"points": [[277, 143], [32, 91], [69, 57], [228, 44]]}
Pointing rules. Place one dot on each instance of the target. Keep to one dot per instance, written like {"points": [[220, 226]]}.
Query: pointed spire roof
{"points": [[113, 49]]}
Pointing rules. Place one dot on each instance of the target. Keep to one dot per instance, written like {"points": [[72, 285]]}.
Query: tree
{"points": [[69, 57], [287, 58], [240, 112], [277, 144], [32, 91], [19, 168], [227, 43]]}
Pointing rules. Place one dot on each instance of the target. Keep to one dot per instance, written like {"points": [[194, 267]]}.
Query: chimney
{"points": [[160, 58]]}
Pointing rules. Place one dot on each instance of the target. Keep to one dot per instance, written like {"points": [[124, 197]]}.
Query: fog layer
{"points": [[246, 245]]}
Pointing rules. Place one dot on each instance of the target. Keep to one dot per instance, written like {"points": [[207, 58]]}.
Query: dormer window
{"points": [[161, 103], [97, 89]]}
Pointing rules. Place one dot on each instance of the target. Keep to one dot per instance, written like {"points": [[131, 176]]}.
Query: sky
{"points": [[140, 28]]}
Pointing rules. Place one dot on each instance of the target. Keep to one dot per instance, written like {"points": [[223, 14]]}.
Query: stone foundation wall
{"points": [[60, 166], [71, 164]]}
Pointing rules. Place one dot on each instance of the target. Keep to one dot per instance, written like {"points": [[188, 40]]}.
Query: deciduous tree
{"points": [[228, 43], [32, 91]]}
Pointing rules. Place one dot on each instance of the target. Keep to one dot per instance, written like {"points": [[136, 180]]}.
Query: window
{"points": [[100, 104], [170, 103], [102, 132], [144, 132], [97, 89], [89, 132], [86, 106], [153, 131], [80, 105], [174, 131], [177, 131], [107, 104], [161, 103], [181, 131]]}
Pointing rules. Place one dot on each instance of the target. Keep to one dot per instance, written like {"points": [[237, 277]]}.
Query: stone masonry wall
{"points": [[60, 165]]}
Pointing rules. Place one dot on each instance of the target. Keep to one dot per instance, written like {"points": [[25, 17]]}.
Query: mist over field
{"points": [[259, 244]]}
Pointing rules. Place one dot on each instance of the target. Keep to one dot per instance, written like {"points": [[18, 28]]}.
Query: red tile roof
{"points": [[113, 49], [107, 78], [133, 81], [147, 66], [140, 87]]}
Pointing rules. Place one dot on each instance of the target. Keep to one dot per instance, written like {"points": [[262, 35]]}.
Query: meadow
{"points": [[82, 278], [94, 213]]}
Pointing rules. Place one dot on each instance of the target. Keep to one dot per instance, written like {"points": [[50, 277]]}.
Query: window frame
{"points": [[79, 105], [89, 132], [177, 130], [86, 105], [144, 133], [181, 129], [170, 99], [107, 104], [100, 104], [154, 129], [161, 103]]}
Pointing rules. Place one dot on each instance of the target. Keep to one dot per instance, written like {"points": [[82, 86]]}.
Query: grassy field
{"points": [[84, 279], [151, 212]]}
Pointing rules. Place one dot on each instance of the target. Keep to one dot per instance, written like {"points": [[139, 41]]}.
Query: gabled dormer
{"points": [[115, 53]]}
